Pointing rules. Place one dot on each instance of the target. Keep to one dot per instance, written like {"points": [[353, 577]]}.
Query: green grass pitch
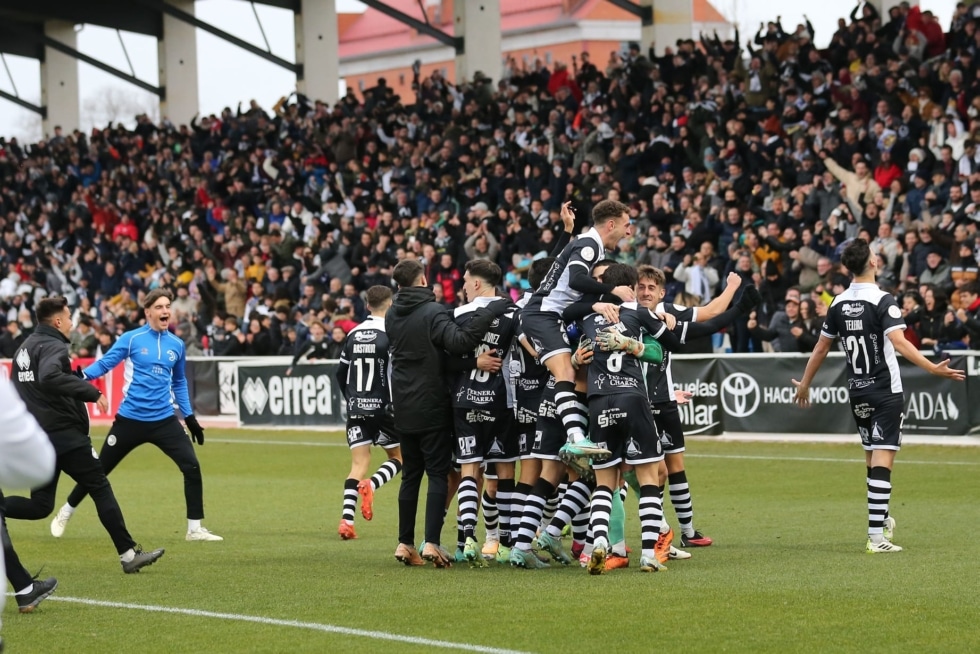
{"points": [[787, 573]]}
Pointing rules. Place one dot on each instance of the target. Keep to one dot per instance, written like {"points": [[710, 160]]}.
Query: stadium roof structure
{"points": [[45, 30]]}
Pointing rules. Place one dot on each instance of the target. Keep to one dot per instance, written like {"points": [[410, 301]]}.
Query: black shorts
{"points": [[484, 436], [624, 425], [371, 430], [668, 420], [546, 333], [549, 432], [524, 425], [879, 420]]}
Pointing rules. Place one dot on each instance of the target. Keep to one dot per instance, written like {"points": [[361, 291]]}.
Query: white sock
{"points": [[193, 525], [68, 508], [493, 534], [128, 555], [25, 591], [619, 549]]}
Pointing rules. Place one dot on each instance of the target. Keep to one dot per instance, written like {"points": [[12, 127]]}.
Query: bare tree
{"points": [[28, 129], [118, 105]]}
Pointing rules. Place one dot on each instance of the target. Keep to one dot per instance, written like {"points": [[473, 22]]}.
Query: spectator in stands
{"points": [[11, 339], [232, 290], [937, 324], [83, 340], [782, 326]]}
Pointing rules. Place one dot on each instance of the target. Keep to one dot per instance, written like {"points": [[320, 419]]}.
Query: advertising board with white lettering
{"points": [[306, 397], [757, 395], [935, 405], [701, 415]]}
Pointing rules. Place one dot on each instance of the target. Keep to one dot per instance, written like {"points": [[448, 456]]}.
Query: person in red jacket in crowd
{"points": [[125, 228], [448, 276], [886, 171], [925, 22]]}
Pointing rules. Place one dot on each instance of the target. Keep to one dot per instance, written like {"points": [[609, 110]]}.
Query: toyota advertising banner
{"points": [[757, 395], [308, 397]]}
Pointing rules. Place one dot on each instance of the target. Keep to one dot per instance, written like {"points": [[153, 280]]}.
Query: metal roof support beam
{"points": [[58, 46], [644, 12], [190, 19], [455, 42], [41, 111]]}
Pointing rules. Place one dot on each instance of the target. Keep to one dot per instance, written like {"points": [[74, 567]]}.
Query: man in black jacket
{"points": [[421, 332], [42, 374]]}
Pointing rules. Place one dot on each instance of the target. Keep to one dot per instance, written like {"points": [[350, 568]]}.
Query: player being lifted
{"points": [[529, 378], [620, 341], [566, 282], [870, 325], [483, 404], [363, 379]]}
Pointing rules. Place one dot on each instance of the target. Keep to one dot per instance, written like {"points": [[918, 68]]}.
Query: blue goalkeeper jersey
{"points": [[154, 372]]}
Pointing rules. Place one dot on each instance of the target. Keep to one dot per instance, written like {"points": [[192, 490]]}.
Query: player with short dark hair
{"points": [[420, 333], [566, 282], [871, 327], [43, 377], [483, 403], [363, 379], [154, 360]]}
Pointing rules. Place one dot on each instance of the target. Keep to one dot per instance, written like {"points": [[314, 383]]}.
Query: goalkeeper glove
{"points": [[195, 428], [612, 340]]}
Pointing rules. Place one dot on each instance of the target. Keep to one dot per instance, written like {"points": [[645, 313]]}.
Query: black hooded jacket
{"points": [[41, 372], [421, 332]]}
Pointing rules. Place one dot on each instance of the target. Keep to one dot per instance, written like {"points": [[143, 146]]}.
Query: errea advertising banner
{"points": [[307, 397]]}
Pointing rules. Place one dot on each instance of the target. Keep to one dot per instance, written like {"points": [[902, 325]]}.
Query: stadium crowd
{"points": [[269, 226]]}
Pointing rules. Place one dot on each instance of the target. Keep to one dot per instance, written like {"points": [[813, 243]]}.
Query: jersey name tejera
{"points": [[863, 316], [481, 389], [616, 373], [368, 381]]}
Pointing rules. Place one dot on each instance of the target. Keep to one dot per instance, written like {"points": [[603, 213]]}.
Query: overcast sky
{"points": [[229, 75]]}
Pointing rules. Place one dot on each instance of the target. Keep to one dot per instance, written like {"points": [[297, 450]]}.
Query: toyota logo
{"points": [[740, 395]]}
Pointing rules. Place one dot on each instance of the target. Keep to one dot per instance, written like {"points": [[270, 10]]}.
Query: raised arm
{"points": [[53, 378], [118, 353]]}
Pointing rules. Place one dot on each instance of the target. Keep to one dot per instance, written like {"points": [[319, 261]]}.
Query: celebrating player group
{"points": [[573, 382]]}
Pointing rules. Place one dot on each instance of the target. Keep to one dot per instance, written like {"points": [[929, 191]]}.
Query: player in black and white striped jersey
{"points": [[870, 325], [483, 403], [363, 377], [566, 282]]}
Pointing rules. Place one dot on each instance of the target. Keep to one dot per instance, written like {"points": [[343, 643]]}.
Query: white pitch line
{"points": [[688, 455], [253, 442], [823, 459], [296, 624]]}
